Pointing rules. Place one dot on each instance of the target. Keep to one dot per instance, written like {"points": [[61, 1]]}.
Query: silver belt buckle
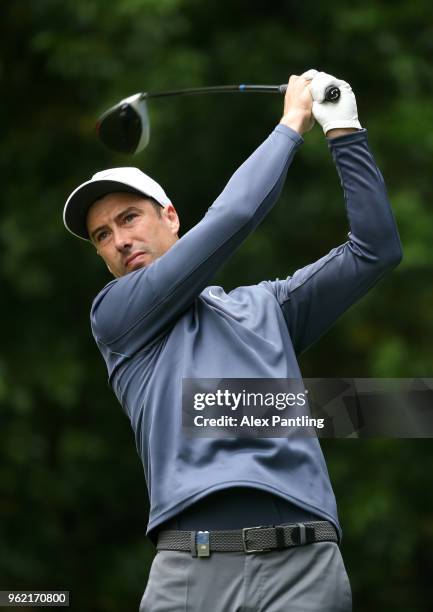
{"points": [[244, 540]]}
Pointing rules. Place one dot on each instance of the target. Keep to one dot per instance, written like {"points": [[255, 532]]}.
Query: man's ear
{"points": [[172, 216]]}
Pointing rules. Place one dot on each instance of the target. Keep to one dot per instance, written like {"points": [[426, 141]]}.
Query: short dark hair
{"points": [[156, 205]]}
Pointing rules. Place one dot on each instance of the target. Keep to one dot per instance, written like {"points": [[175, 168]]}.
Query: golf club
{"points": [[124, 128]]}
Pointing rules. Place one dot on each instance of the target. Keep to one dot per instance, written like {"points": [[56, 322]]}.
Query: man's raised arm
{"points": [[315, 296], [149, 299]]}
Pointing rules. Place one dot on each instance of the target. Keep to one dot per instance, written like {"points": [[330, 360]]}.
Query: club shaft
{"points": [[219, 89]]}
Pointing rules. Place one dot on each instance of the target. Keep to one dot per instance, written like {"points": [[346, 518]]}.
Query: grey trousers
{"points": [[310, 578]]}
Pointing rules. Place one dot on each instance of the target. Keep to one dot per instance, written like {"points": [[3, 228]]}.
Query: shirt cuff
{"points": [[347, 138]]}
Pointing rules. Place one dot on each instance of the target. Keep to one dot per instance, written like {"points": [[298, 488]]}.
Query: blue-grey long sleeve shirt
{"points": [[163, 323]]}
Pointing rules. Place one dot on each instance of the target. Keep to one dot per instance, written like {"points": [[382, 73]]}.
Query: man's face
{"points": [[128, 232]]}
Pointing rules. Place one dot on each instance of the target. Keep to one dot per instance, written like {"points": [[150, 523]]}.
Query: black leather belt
{"points": [[248, 540]]}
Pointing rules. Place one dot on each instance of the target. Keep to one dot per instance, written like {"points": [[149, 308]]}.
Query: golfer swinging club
{"points": [[160, 322]]}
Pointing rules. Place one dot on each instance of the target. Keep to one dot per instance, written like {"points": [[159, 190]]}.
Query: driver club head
{"points": [[124, 128]]}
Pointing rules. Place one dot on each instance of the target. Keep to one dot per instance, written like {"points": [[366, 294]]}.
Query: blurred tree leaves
{"points": [[72, 495]]}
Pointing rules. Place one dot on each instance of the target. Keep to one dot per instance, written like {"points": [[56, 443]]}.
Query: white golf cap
{"points": [[130, 180]]}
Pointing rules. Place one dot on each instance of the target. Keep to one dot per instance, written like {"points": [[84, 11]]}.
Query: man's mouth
{"points": [[133, 257]]}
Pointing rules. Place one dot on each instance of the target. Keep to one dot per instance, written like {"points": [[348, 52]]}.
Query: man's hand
{"points": [[298, 103], [334, 117]]}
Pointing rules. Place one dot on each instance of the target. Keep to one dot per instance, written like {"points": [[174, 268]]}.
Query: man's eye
{"points": [[127, 218], [101, 236]]}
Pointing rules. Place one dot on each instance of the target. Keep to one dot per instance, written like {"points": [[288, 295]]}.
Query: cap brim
{"points": [[80, 200]]}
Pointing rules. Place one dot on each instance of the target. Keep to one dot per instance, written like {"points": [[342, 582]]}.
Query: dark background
{"points": [[73, 504]]}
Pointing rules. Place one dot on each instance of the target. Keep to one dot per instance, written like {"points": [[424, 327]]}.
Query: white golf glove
{"points": [[331, 115], [309, 74]]}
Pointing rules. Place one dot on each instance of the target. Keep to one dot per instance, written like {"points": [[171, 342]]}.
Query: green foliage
{"points": [[72, 495]]}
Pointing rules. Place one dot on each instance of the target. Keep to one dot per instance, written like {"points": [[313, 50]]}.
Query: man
{"points": [[158, 323]]}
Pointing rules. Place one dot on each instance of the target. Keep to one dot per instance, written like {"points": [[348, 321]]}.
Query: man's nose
{"points": [[122, 241]]}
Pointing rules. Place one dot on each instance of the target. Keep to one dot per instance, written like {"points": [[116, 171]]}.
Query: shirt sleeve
{"points": [[132, 310], [315, 296]]}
